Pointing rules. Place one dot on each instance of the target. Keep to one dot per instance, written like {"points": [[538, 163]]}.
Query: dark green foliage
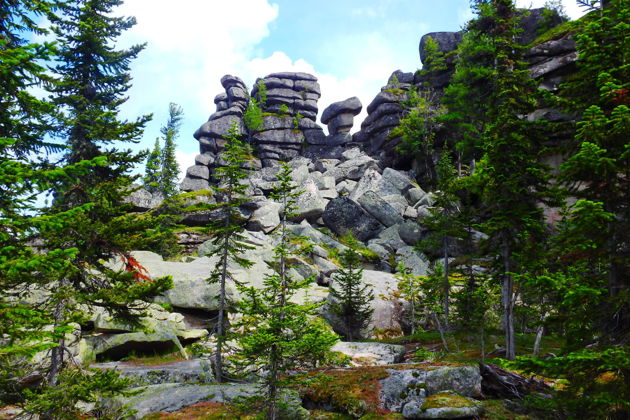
{"points": [[228, 229], [169, 171], [279, 334], [595, 383], [351, 297], [152, 172], [88, 228]]}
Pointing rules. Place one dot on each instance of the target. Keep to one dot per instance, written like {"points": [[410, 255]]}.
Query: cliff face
{"points": [[290, 110]]}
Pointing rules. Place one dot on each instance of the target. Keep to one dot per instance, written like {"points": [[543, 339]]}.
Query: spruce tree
{"points": [[92, 79], [277, 333], [227, 229], [169, 171], [351, 298], [152, 171]]}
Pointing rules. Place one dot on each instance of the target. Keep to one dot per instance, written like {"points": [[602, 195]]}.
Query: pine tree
{"points": [[152, 172], [278, 334], [351, 298], [228, 229], [169, 174]]}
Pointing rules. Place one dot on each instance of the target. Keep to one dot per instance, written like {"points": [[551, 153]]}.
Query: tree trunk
{"points": [[218, 360], [539, 336], [446, 284], [483, 341], [441, 330], [507, 292]]}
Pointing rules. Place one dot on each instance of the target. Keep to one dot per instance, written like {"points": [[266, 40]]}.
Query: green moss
{"points": [[563, 30], [353, 391], [446, 399], [194, 194], [395, 91], [275, 114]]}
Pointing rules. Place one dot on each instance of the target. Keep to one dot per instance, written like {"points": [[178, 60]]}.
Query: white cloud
{"points": [[184, 160], [570, 6]]}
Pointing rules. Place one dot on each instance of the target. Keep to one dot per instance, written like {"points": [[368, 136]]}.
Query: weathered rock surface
{"points": [[169, 398], [342, 215], [370, 354], [197, 371]]}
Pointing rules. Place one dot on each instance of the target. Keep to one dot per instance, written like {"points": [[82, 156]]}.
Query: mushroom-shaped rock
{"points": [[349, 106], [229, 81]]}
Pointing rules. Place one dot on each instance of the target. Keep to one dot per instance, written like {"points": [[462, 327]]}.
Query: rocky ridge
{"points": [[352, 184]]}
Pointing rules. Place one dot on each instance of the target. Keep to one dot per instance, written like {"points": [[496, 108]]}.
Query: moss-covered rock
{"points": [[443, 405]]}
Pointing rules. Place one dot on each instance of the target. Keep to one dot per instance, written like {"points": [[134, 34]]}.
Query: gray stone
{"points": [[143, 200], [388, 121], [370, 354], [219, 127], [266, 218], [324, 265], [352, 153], [314, 235], [428, 200], [447, 42], [310, 205], [380, 209], [343, 215], [552, 64], [402, 77], [351, 106], [316, 136], [190, 184], [384, 98], [382, 110], [410, 232], [173, 397], [410, 213], [402, 387], [323, 165], [206, 159], [293, 76], [399, 180], [410, 258], [372, 180], [415, 194], [345, 187], [342, 123], [328, 194], [426, 409], [397, 201], [198, 171], [390, 238], [380, 250], [228, 81], [300, 174], [353, 169], [197, 371], [465, 380], [289, 136]]}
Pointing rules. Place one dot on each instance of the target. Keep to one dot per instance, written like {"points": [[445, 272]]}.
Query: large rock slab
{"points": [[380, 209], [343, 215], [370, 354], [387, 310], [169, 398], [197, 371], [465, 380], [266, 218]]}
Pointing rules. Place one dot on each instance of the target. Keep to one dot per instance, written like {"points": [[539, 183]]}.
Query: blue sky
{"points": [[352, 46]]}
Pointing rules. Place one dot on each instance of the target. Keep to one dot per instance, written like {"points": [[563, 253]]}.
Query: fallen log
{"points": [[500, 383]]}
